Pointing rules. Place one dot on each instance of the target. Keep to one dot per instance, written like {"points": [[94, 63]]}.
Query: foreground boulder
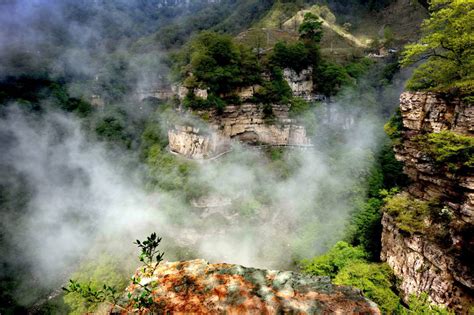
{"points": [[199, 287]]}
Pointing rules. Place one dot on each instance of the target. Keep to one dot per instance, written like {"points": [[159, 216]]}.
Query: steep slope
{"points": [[436, 256]]}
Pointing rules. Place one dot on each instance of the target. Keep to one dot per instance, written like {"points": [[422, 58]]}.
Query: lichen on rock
{"points": [[199, 287]]}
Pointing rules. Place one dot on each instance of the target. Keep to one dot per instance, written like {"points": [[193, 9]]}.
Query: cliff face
{"points": [[201, 288], [247, 123], [420, 260]]}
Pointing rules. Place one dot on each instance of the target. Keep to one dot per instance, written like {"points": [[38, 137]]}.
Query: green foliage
{"points": [[334, 260], [298, 106], [197, 103], [274, 91], [219, 64], [91, 294], [329, 78], [447, 47], [294, 56], [375, 281], [409, 213], [88, 290], [359, 68], [112, 129], [173, 174], [150, 252], [152, 135], [311, 28], [32, 93], [151, 257], [347, 265], [449, 149], [394, 127], [420, 305], [392, 169], [366, 227], [85, 296]]}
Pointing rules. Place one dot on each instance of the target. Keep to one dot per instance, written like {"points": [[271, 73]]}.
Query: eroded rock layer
{"points": [[248, 123], [425, 262], [198, 287]]}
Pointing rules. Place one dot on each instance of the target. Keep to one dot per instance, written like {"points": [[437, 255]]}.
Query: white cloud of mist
{"points": [[85, 198], [82, 194]]}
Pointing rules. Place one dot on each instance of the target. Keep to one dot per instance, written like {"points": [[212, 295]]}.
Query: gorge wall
{"points": [[423, 262], [248, 123]]}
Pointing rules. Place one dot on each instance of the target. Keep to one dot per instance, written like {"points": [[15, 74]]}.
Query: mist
{"points": [[84, 197], [79, 196]]}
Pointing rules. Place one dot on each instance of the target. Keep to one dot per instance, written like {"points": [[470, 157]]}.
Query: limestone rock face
{"points": [[301, 84], [198, 287], [428, 112], [246, 123], [188, 142], [425, 266], [425, 263]]}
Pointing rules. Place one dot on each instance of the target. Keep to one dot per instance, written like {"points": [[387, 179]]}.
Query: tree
{"points": [[219, 64], [311, 28], [447, 46]]}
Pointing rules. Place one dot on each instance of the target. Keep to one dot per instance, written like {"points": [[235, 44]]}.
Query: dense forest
{"points": [[86, 167]]}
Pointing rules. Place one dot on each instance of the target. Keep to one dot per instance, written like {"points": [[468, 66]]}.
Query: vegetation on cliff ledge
{"points": [[449, 149]]}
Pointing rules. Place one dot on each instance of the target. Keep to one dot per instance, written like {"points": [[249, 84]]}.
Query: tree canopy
{"points": [[447, 46], [311, 29], [219, 64]]}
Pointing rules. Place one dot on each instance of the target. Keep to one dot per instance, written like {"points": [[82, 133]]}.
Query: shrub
{"points": [[293, 56], [93, 274], [421, 305], [393, 128], [449, 149], [334, 260], [330, 77], [375, 281], [276, 91], [86, 294], [218, 63], [409, 213], [366, 227]]}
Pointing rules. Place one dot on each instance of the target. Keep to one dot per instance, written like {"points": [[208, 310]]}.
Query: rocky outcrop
{"points": [[247, 123], [189, 142], [424, 266], [426, 262], [423, 113], [301, 83], [198, 287]]}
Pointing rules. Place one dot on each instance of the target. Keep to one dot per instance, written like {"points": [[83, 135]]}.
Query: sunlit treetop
{"points": [[447, 47], [311, 29]]}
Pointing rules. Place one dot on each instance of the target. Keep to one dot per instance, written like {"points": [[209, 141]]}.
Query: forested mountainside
{"points": [[239, 139]]}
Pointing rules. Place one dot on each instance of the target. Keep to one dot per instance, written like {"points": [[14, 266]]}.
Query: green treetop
{"points": [[310, 29], [219, 64], [447, 46]]}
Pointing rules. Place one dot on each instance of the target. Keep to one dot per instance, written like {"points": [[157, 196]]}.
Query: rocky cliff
{"points": [[198, 287], [248, 123], [437, 260]]}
